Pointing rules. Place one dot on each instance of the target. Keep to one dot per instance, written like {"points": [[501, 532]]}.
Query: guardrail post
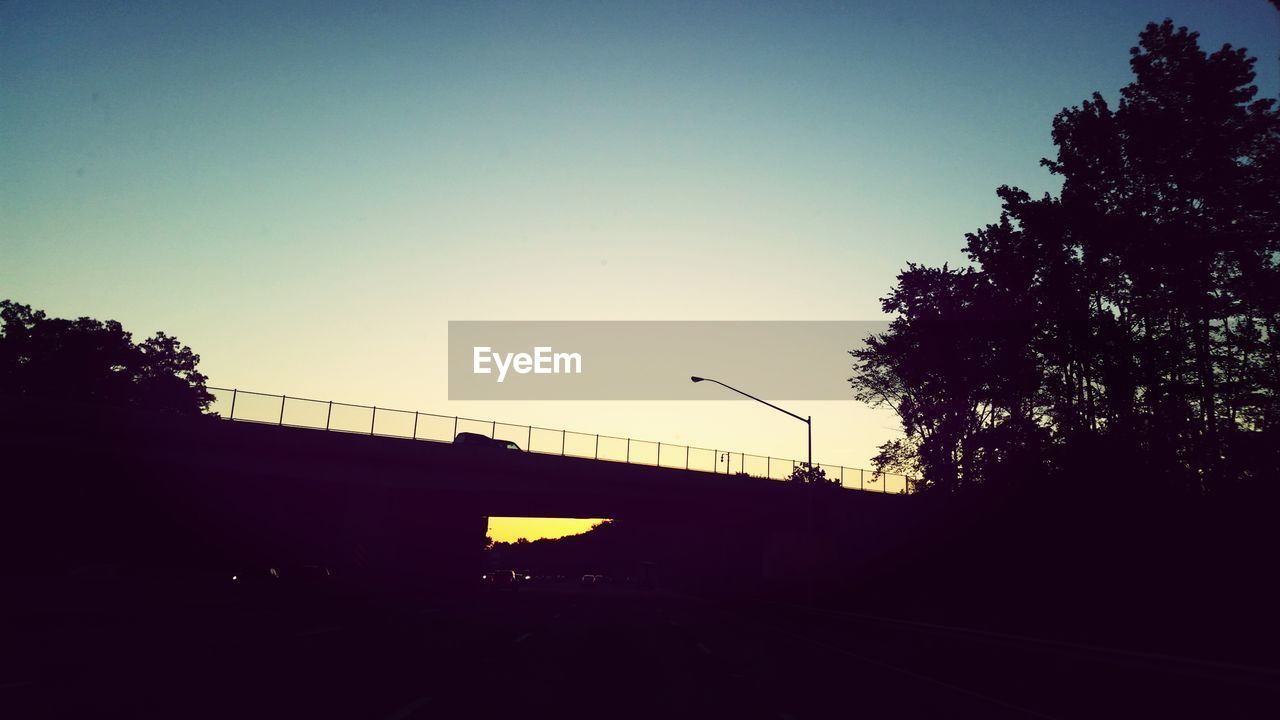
{"points": [[715, 462], [328, 415], [596, 454], [455, 429], [628, 449], [528, 440], [862, 479], [233, 404], [686, 457], [658, 460], [282, 399], [415, 424], [562, 432], [493, 429], [373, 420]]}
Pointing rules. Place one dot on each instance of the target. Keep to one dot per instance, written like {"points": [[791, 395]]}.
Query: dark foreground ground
{"points": [[158, 648]]}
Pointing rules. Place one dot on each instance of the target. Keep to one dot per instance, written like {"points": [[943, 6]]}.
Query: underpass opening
{"points": [[530, 529], [551, 552]]}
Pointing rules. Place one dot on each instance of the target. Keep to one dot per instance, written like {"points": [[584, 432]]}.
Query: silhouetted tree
{"points": [[803, 474], [51, 359], [1135, 313]]}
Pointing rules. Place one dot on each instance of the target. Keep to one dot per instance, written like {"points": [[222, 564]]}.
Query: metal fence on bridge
{"points": [[287, 411]]}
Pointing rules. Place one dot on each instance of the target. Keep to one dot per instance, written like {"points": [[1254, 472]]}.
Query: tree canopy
{"points": [[51, 359], [1129, 322]]}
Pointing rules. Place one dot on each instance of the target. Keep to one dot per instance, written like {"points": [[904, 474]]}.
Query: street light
{"points": [[806, 420]]}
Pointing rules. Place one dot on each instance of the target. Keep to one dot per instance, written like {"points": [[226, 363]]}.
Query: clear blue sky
{"points": [[307, 192]]}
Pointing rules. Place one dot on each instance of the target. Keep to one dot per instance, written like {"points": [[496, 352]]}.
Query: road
{"points": [[108, 650]]}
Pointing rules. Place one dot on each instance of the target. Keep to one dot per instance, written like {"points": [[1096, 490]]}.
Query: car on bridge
{"points": [[470, 439]]}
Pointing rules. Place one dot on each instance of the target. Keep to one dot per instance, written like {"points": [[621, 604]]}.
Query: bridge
{"points": [[329, 415], [96, 483]]}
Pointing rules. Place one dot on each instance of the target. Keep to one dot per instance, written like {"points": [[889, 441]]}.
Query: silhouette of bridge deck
{"points": [[128, 482], [341, 417]]}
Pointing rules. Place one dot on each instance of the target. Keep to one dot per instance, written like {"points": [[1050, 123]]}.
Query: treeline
{"points": [[604, 548], [47, 360], [1127, 327]]}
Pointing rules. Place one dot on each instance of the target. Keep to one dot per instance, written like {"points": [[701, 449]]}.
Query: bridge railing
{"points": [[289, 411]]}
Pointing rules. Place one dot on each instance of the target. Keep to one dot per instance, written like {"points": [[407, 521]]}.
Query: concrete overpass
{"points": [[143, 485]]}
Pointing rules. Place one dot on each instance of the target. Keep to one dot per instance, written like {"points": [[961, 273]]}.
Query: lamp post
{"points": [[811, 487], [806, 420]]}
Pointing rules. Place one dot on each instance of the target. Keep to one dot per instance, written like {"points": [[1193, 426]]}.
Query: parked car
{"points": [[255, 583], [255, 576], [309, 575], [477, 440], [295, 581], [502, 580]]}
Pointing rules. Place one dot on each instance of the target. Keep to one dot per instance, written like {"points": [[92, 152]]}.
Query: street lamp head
{"points": [[695, 378]]}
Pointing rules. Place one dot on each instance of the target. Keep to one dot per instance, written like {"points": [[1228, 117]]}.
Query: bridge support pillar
{"points": [[401, 539]]}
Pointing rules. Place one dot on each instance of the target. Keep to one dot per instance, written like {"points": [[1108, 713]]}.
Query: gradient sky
{"points": [[305, 193]]}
